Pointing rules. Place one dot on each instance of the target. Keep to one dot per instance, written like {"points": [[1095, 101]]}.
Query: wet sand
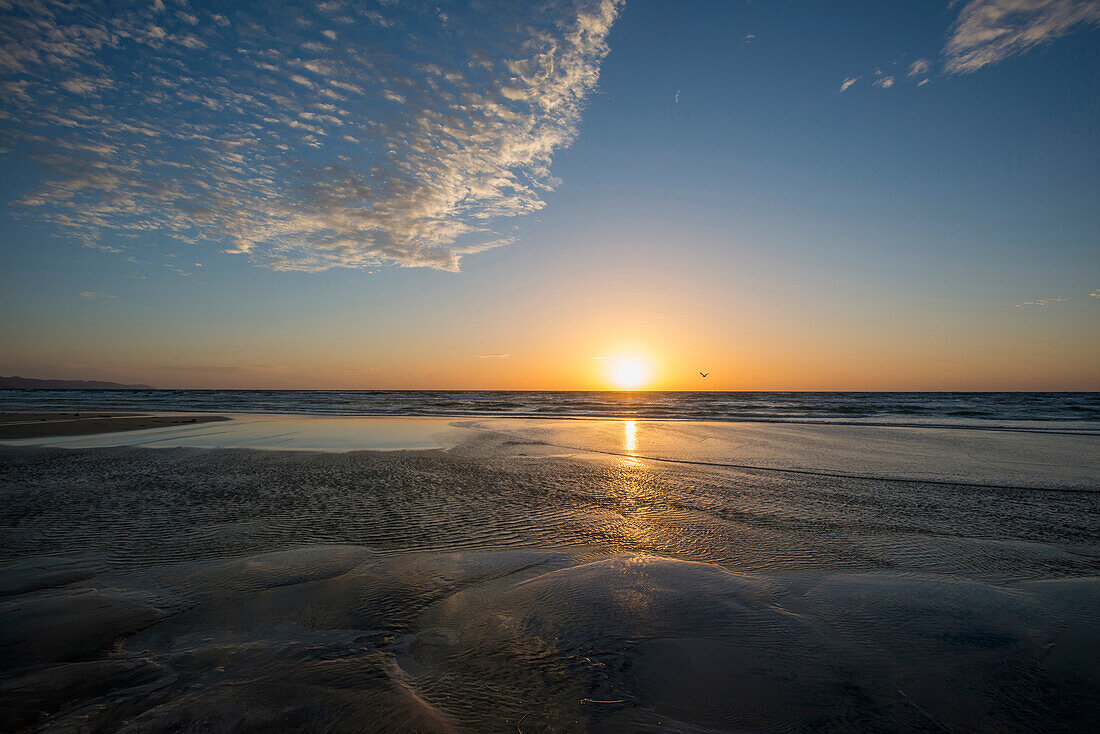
{"points": [[42, 425], [538, 577]]}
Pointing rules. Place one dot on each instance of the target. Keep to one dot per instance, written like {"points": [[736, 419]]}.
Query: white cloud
{"points": [[1042, 302], [848, 82], [884, 82], [390, 147], [988, 31], [919, 67], [93, 296]]}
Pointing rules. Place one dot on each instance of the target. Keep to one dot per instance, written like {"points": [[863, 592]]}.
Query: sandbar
{"points": [[42, 425]]}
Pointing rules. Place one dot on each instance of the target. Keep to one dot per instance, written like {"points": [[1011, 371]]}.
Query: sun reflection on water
{"points": [[630, 440]]}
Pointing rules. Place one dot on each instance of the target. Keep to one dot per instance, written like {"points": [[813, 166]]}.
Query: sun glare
{"points": [[629, 373]]}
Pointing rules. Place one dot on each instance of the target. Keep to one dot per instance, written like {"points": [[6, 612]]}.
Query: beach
{"points": [[553, 576]]}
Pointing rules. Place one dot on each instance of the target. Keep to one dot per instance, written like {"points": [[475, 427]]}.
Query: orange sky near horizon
{"points": [[672, 359]]}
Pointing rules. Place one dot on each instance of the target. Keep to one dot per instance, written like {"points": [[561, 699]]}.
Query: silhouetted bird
{"points": [[704, 374]]}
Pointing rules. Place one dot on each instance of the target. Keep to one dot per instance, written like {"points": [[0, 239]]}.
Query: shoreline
{"points": [[1038, 426]]}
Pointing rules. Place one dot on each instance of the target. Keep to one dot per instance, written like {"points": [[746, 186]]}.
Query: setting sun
{"points": [[629, 373]]}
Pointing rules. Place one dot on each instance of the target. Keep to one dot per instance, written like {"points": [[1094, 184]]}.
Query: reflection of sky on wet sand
{"points": [[1005, 458]]}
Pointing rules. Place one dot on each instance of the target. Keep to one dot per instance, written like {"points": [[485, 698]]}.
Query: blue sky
{"points": [[338, 194]]}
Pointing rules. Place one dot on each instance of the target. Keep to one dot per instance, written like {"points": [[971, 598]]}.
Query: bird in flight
{"points": [[704, 374]]}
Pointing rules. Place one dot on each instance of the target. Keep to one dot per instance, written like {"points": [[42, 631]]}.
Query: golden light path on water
{"points": [[630, 436]]}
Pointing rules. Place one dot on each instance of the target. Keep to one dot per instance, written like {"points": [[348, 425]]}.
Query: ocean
{"points": [[984, 409]]}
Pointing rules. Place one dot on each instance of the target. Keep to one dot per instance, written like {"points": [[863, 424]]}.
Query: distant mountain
{"points": [[18, 383]]}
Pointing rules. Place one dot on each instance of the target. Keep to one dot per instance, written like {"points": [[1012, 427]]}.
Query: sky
{"points": [[548, 195]]}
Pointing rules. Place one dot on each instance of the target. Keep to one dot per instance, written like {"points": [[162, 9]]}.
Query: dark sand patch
{"points": [[43, 572], [72, 626], [42, 425], [549, 640], [33, 697]]}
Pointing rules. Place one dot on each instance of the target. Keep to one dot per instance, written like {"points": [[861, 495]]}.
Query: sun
{"points": [[629, 373]]}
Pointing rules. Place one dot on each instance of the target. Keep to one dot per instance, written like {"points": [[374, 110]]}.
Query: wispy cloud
{"points": [[880, 80], [410, 141], [501, 355], [988, 31], [1042, 302], [93, 296], [896, 72], [1095, 294]]}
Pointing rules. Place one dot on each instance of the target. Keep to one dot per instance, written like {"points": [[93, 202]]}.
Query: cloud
{"points": [[601, 357], [1095, 294], [884, 82], [414, 141], [93, 296], [1042, 302], [848, 82], [988, 31], [919, 67], [502, 355]]}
